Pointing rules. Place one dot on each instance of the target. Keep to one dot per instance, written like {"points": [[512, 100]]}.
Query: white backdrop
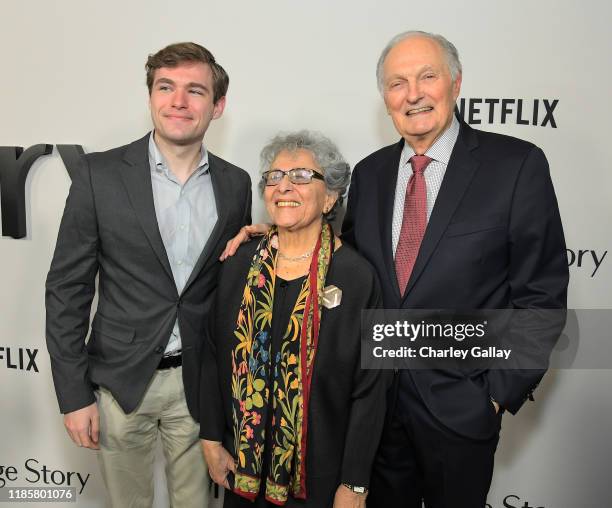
{"points": [[73, 73]]}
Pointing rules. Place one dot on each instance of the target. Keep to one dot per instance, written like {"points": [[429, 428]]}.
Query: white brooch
{"points": [[332, 296]]}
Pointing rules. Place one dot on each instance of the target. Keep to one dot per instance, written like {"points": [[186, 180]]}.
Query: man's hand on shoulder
{"points": [[495, 405], [245, 233], [83, 426]]}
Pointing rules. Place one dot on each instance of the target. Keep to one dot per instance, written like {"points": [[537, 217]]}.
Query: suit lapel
{"points": [[459, 173], [387, 180], [136, 177], [223, 192]]}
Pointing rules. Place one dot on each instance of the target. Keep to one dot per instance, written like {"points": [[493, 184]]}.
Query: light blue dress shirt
{"points": [[186, 215]]}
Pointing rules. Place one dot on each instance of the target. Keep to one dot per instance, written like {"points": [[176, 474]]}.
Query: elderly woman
{"points": [[288, 416]]}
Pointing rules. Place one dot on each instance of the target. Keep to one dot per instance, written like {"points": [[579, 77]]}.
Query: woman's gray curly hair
{"points": [[336, 170]]}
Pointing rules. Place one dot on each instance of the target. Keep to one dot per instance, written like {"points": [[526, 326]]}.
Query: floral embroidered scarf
{"points": [[286, 378]]}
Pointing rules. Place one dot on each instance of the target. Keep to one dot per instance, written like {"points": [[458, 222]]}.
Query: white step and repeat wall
{"points": [[72, 73]]}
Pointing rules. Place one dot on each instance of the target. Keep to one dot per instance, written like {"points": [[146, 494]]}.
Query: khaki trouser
{"points": [[127, 446]]}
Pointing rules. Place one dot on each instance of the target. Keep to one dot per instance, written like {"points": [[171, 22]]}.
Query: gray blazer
{"points": [[109, 229]]}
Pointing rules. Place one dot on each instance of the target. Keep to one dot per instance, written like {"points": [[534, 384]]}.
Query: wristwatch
{"points": [[356, 489]]}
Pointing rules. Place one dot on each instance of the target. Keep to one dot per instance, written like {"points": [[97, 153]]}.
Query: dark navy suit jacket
{"points": [[494, 241]]}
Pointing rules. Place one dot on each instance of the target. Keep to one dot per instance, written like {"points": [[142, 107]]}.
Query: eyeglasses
{"points": [[298, 176]]}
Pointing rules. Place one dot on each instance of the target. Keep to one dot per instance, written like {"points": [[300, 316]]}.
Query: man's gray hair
{"points": [[336, 170], [450, 51]]}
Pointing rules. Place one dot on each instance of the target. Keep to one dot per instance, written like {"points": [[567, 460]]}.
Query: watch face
{"points": [[358, 490]]}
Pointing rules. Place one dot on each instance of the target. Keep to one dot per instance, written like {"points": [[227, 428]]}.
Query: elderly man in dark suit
{"points": [[150, 220], [451, 218]]}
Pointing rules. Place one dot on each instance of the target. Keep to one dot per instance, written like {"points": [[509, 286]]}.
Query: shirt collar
{"points": [[441, 150], [158, 162]]}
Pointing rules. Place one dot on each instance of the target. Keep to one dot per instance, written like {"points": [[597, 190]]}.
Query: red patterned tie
{"points": [[414, 221]]}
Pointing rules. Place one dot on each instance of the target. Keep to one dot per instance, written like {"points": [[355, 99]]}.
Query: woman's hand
{"points": [[243, 235], [346, 498], [219, 461]]}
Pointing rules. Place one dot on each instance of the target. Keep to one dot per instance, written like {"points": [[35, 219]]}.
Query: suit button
{"points": [[159, 350]]}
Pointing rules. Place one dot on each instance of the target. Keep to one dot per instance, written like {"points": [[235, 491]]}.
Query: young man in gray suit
{"points": [[150, 220]]}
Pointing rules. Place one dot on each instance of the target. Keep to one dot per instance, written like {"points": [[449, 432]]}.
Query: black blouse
{"points": [[347, 403]]}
